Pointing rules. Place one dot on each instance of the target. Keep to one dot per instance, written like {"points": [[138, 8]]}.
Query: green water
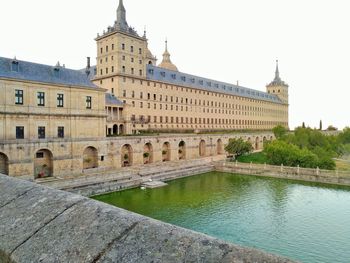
{"points": [[303, 221]]}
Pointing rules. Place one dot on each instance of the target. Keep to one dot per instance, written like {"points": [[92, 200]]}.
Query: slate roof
{"points": [[24, 70], [183, 79], [112, 100]]}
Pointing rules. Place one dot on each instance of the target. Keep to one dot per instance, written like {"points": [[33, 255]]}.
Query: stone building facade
{"points": [[160, 98], [56, 121]]}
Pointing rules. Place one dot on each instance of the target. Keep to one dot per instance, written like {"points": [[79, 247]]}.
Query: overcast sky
{"points": [[226, 40]]}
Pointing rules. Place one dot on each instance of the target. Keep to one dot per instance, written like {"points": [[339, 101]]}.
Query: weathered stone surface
{"points": [[16, 190], [47, 225], [30, 212], [78, 235], [154, 241]]}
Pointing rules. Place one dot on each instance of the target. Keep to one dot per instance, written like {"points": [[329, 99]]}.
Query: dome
{"points": [[166, 63]]}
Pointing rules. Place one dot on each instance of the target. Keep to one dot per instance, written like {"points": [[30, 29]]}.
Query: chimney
{"points": [[87, 71]]}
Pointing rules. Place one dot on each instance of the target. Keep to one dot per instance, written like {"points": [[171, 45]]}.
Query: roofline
{"points": [[97, 88], [118, 32]]}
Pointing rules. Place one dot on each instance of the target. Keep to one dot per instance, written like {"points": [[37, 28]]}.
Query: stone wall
{"points": [[68, 155], [39, 224], [294, 173]]}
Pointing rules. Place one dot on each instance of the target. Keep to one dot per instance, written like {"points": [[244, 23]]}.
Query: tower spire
{"points": [[166, 63], [277, 72], [121, 16]]}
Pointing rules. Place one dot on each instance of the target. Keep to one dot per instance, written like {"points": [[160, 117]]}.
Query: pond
{"points": [[302, 221]]}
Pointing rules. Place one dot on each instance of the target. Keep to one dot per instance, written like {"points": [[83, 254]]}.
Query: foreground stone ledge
{"points": [[39, 224]]}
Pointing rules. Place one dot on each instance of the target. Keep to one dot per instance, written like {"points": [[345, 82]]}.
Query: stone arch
{"points": [[4, 164], [90, 158], [147, 153], [182, 150], [43, 164], [219, 147], [202, 148], [166, 152], [115, 129], [121, 129], [257, 143], [126, 155]]}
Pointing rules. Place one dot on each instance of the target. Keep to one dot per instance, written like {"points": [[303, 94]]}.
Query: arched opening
{"points": [[150, 63], [264, 141], [202, 150], [115, 129], [257, 142], [90, 158], [43, 164], [166, 152], [147, 153], [219, 147], [271, 138], [182, 150], [126, 155], [121, 129], [4, 164]]}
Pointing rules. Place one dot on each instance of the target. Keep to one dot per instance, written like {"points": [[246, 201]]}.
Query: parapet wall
{"points": [[284, 172], [40, 224]]}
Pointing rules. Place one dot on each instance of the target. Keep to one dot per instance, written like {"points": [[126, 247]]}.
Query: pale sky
{"points": [[226, 40]]}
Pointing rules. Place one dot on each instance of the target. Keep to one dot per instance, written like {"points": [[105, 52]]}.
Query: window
{"points": [[112, 46], [15, 66], [19, 97], [19, 132], [140, 72], [123, 69], [112, 71], [60, 132], [132, 70], [60, 100], [124, 93], [132, 60], [41, 132], [140, 51], [41, 99], [123, 46], [132, 49], [88, 102], [140, 62], [101, 50], [123, 58], [39, 155]]}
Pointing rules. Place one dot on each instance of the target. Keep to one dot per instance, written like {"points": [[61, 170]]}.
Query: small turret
{"points": [[278, 86], [166, 63]]}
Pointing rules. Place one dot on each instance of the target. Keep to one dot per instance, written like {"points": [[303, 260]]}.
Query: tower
{"points": [[278, 87], [121, 52]]}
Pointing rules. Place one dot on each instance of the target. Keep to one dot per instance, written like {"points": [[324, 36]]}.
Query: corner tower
{"points": [[278, 87], [121, 52]]}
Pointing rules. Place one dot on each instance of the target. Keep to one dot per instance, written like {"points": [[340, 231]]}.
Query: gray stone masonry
{"points": [[40, 224]]}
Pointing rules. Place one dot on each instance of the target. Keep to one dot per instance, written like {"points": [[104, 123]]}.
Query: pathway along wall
{"points": [[39, 224]]}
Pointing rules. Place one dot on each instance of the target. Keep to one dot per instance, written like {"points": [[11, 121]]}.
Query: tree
{"points": [[303, 126], [320, 125], [332, 128], [279, 131], [238, 147]]}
